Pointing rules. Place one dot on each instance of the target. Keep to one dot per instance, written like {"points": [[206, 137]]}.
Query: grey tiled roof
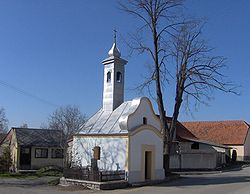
{"points": [[38, 137], [107, 122], [2, 136]]}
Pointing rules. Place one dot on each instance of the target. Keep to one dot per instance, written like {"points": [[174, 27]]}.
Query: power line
{"points": [[23, 92]]}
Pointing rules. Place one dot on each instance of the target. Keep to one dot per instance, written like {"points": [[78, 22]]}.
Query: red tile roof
{"points": [[183, 133], [220, 132]]}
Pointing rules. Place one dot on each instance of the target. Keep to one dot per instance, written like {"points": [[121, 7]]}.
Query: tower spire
{"points": [[114, 73], [115, 35], [114, 51]]}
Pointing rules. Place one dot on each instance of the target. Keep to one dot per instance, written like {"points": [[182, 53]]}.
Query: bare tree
{"points": [[158, 18], [198, 71], [163, 28], [24, 125], [69, 120], [3, 121]]}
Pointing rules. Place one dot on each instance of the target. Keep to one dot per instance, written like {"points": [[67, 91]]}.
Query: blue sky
{"points": [[53, 49]]}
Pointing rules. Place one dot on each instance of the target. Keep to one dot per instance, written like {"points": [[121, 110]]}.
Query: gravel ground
{"points": [[232, 182]]}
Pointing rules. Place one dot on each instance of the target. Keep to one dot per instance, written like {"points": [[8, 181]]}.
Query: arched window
{"points": [[145, 121], [119, 76], [109, 76]]}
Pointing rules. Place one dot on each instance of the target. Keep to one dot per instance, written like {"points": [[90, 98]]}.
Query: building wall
{"points": [[145, 139], [247, 147], [193, 160], [240, 151], [14, 151], [113, 151], [144, 110], [37, 163], [206, 157]]}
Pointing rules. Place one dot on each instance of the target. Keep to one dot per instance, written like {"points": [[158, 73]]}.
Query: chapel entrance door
{"points": [[148, 165]]}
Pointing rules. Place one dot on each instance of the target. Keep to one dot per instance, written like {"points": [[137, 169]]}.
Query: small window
{"points": [[57, 153], [41, 153], [119, 76], [109, 76], [145, 121], [195, 146]]}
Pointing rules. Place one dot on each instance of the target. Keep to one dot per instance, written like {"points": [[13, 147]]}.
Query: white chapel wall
{"points": [[143, 110], [113, 152], [137, 141]]}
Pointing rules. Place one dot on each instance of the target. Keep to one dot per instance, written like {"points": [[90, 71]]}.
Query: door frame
{"points": [[144, 149]]}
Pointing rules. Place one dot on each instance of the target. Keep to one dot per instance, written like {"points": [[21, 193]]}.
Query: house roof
{"points": [[107, 122], [221, 132], [182, 133], [38, 137], [2, 136]]}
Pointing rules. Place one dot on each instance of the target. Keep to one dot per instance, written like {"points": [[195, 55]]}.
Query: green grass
{"points": [[47, 171], [16, 175]]}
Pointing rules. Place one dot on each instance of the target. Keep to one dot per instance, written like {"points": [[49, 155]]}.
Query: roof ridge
{"points": [[35, 129], [216, 121]]}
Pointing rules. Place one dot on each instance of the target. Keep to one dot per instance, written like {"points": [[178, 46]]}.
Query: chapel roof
{"points": [[232, 132], [114, 51], [107, 122]]}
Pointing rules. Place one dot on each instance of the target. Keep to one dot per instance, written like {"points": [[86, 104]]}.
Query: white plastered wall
{"points": [[206, 157], [247, 147], [143, 110], [113, 152], [240, 151], [138, 144]]}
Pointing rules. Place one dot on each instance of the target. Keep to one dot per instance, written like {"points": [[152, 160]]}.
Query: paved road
{"points": [[234, 182]]}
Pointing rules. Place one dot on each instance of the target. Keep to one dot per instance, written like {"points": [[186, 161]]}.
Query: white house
{"points": [[127, 133]]}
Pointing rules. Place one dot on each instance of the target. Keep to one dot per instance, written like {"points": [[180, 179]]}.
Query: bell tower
{"points": [[114, 73]]}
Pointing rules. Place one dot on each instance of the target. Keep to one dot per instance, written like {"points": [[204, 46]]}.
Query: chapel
{"points": [[126, 133]]}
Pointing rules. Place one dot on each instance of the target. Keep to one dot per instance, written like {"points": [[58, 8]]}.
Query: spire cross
{"points": [[115, 35]]}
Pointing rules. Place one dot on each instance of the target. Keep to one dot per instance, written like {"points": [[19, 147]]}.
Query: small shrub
{"points": [[54, 182], [50, 171], [5, 160]]}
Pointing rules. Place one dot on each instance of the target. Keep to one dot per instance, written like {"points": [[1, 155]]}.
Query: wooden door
{"points": [[25, 158], [148, 165]]}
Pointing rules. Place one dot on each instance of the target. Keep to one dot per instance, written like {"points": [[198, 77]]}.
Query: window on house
{"points": [[145, 121], [195, 146], [41, 153], [109, 76], [57, 153], [119, 76]]}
